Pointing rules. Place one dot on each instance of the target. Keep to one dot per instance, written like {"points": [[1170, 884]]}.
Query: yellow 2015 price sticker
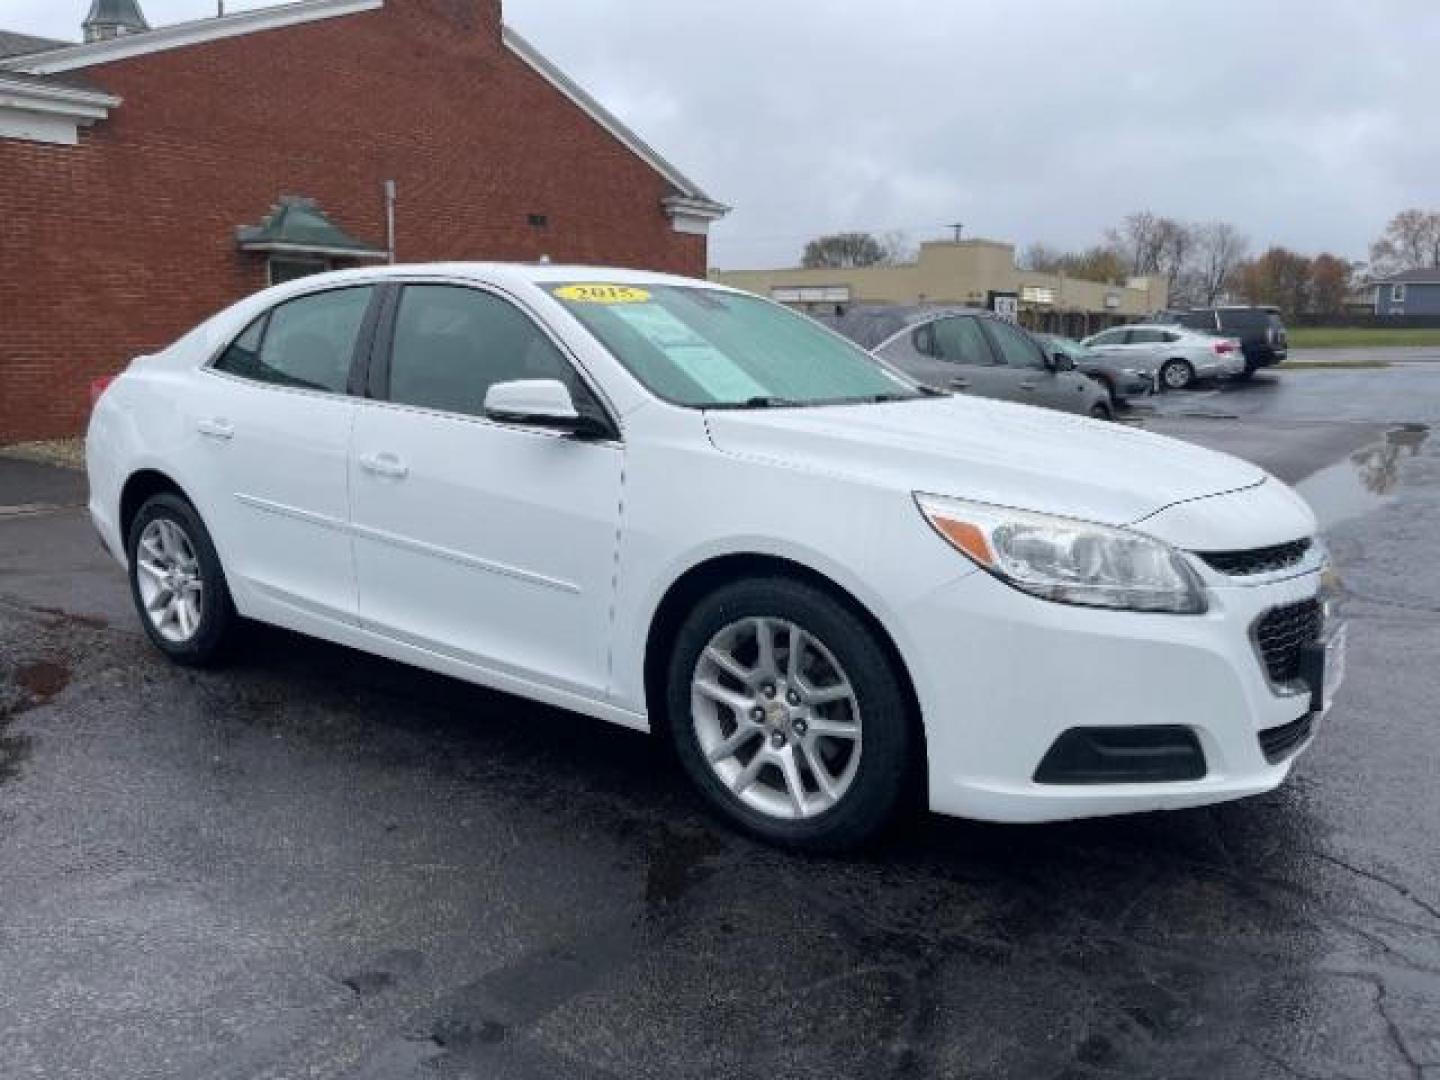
{"points": [[602, 294]]}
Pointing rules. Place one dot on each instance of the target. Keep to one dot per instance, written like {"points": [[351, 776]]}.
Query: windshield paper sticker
{"points": [[716, 373], [602, 294]]}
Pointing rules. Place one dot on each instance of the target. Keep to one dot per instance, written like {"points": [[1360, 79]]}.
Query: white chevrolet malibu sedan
{"points": [[688, 510]]}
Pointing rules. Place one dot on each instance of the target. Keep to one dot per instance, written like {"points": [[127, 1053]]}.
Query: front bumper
{"points": [[1004, 675]]}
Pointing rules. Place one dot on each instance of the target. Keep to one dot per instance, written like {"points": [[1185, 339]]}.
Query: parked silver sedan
{"points": [[1178, 356], [973, 352]]}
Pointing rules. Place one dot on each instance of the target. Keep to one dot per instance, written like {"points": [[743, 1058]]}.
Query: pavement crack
{"points": [[1380, 879]]}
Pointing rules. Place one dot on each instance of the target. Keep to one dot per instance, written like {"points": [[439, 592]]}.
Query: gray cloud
{"points": [[1305, 122]]}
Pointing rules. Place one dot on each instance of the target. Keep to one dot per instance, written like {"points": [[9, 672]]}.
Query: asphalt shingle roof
{"points": [[15, 44], [1424, 275]]}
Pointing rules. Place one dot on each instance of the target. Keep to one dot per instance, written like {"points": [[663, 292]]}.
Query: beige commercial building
{"points": [[973, 273]]}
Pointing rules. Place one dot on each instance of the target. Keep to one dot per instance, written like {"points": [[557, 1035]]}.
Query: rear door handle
{"points": [[1028, 385], [960, 384], [387, 465], [216, 429]]}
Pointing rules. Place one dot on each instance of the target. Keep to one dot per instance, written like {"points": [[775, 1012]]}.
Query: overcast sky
{"points": [[1304, 122]]}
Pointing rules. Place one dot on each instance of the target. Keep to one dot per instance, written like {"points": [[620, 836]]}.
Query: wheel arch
{"points": [[706, 576], [139, 487]]}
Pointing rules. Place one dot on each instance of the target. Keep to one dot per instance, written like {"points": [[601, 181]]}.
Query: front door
{"points": [[1035, 383], [271, 434], [487, 542]]}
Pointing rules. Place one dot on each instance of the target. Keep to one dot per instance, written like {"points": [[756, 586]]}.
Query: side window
{"points": [[308, 343], [1110, 337], [960, 341], [453, 343], [1017, 349], [243, 355], [1169, 337], [1146, 337]]}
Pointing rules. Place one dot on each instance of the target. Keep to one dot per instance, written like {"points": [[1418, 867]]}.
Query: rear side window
{"points": [[452, 344], [1198, 320], [1252, 322], [307, 344], [1146, 337], [1109, 337]]}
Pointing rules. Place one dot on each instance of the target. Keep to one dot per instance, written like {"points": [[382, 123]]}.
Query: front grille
{"points": [[1264, 560], [1279, 743], [1283, 632]]}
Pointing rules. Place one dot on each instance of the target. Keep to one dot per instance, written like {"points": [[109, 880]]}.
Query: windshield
{"points": [[708, 349]]}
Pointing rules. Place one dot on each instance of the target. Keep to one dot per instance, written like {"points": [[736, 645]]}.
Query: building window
{"points": [[291, 269], [539, 221], [1397, 294]]}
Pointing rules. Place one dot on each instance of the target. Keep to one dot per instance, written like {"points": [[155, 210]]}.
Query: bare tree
{"points": [[1411, 242], [899, 248], [1135, 239], [1219, 249], [1041, 258], [843, 251]]}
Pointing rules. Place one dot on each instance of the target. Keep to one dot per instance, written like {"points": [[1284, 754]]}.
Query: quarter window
{"points": [[453, 343], [1016, 349], [307, 343]]}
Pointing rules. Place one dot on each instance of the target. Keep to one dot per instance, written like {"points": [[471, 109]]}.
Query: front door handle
{"points": [[1028, 385], [386, 465], [216, 429]]}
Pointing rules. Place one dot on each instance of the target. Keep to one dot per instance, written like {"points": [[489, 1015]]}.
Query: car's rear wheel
{"points": [[177, 582], [1177, 374], [1102, 411], [787, 713]]}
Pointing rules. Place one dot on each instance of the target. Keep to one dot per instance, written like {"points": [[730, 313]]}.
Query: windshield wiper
{"points": [[761, 401]]}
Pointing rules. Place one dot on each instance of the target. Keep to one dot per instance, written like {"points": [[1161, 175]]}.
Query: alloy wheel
{"points": [[776, 718], [171, 585], [1177, 374]]}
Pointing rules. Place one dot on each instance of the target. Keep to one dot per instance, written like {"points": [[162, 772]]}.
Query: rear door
{"points": [[492, 543], [272, 428]]}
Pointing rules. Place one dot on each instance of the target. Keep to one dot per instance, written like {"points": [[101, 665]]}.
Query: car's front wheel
{"points": [[177, 582], [787, 713]]}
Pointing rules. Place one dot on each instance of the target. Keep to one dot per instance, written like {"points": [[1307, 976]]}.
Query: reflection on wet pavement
{"points": [[1363, 481]]}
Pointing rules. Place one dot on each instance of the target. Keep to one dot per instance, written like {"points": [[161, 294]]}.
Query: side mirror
{"points": [[1060, 361], [538, 402]]}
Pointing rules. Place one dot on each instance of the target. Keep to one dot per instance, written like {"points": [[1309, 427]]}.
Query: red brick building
{"points": [[150, 177]]}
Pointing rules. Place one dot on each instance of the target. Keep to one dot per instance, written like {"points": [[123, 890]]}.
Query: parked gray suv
{"points": [[972, 352]]}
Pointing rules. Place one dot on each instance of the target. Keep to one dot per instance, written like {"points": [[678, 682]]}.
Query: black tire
{"points": [[886, 772], [218, 618], [1246, 375], [1102, 411], [1184, 374]]}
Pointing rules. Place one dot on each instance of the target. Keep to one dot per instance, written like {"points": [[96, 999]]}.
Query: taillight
{"points": [[99, 386], [1224, 348]]}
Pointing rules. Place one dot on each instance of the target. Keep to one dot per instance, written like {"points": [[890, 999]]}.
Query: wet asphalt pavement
{"points": [[318, 864]]}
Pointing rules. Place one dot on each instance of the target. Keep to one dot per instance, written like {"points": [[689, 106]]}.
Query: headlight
{"points": [[1066, 560]]}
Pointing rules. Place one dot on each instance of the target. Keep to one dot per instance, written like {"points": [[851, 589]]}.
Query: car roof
{"points": [[871, 325], [503, 273]]}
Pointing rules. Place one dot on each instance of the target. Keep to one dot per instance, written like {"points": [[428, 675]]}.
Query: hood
{"points": [[989, 451]]}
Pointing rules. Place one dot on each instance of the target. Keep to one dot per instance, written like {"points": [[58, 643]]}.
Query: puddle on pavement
{"points": [[37, 683], [1363, 481]]}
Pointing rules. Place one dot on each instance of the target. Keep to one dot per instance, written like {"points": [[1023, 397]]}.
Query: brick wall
{"points": [[117, 246]]}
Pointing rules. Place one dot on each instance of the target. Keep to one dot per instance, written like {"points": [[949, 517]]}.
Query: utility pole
{"points": [[959, 228], [220, 5]]}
